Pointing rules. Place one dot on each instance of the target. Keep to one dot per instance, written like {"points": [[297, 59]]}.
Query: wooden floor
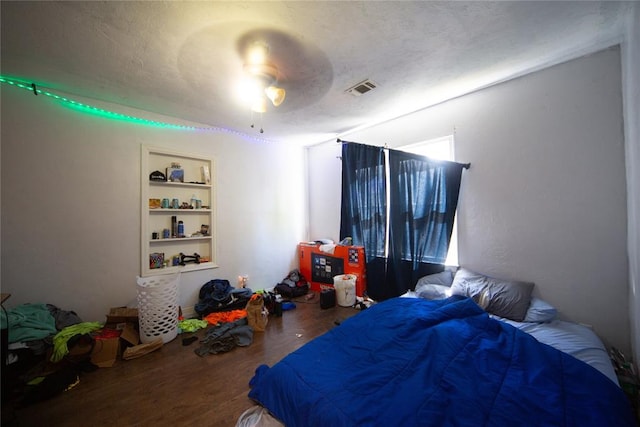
{"points": [[175, 387]]}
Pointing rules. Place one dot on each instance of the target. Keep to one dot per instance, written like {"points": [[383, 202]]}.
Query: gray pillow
{"points": [[504, 298], [444, 278]]}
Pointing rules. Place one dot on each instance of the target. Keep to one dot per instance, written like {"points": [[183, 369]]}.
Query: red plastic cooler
{"points": [[319, 267]]}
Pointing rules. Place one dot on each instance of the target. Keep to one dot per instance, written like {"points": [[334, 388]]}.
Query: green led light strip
{"points": [[32, 87]]}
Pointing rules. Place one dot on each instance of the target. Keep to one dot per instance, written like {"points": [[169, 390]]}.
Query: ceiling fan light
{"points": [[259, 106], [276, 95], [257, 53]]}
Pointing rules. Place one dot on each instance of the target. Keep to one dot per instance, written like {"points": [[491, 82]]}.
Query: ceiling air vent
{"points": [[362, 88]]}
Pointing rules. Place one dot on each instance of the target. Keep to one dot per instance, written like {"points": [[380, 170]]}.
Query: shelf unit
{"points": [[156, 220]]}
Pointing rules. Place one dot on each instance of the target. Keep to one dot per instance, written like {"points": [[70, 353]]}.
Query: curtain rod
{"points": [[340, 141]]}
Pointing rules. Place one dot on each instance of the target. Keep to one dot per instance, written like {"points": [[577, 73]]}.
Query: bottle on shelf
{"points": [[180, 229], [174, 226]]}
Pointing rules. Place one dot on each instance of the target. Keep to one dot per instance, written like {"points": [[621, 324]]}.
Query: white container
{"points": [[345, 286], [158, 307]]}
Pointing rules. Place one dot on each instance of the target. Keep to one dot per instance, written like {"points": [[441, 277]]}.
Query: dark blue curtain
{"points": [[364, 205], [364, 208], [423, 202]]}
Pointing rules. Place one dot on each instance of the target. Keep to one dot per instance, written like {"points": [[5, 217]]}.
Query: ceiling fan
{"points": [[263, 78], [273, 60]]}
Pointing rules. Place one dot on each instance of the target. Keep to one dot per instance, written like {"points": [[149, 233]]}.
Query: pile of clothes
{"points": [[223, 307], [218, 295], [39, 339]]}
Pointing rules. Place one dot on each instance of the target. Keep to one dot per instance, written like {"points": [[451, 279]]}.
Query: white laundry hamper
{"points": [[158, 307], [345, 286]]}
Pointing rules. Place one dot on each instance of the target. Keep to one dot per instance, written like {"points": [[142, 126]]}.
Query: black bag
{"points": [[327, 298], [269, 302], [292, 286], [291, 292]]}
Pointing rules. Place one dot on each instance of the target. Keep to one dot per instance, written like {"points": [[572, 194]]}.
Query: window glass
{"points": [[442, 149]]}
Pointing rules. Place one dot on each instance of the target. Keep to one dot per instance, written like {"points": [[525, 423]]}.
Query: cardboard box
{"points": [[130, 334], [156, 260], [122, 314], [111, 342], [80, 348], [119, 334]]}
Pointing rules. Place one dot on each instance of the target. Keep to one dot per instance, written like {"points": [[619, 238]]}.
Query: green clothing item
{"points": [[192, 325], [60, 348], [29, 322]]}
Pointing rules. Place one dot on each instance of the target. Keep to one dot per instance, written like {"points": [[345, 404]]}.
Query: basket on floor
{"points": [[158, 307]]}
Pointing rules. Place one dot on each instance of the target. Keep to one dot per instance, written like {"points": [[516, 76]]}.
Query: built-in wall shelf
{"points": [[162, 243]]}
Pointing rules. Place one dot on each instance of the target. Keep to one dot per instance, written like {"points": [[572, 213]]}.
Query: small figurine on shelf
{"points": [[204, 231]]}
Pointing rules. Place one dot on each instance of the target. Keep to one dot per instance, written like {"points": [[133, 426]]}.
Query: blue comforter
{"points": [[413, 362]]}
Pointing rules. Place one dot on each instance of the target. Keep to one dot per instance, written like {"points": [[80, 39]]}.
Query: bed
{"points": [[445, 361]]}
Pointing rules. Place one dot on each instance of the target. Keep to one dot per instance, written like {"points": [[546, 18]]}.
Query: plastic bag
{"points": [[257, 416]]}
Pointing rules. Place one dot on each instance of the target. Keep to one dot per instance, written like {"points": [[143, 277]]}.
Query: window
{"points": [[400, 204], [442, 149]]}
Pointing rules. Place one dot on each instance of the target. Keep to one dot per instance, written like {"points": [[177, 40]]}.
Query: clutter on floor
{"points": [[225, 337], [218, 295], [50, 349]]}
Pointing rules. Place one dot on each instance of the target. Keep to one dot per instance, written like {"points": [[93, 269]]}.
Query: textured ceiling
{"points": [[183, 59]]}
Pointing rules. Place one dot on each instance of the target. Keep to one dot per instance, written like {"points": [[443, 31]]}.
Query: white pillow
{"points": [[540, 311], [429, 291], [435, 286]]}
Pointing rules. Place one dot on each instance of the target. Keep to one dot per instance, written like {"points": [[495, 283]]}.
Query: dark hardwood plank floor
{"points": [[173, 386]]}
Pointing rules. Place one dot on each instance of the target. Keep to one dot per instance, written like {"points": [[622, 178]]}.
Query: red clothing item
{"points": [[106, 334], [225, 316]]}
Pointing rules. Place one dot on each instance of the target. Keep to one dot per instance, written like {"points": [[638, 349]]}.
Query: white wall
{"points": [[631, 95], [545, 198], [71, 209]]}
